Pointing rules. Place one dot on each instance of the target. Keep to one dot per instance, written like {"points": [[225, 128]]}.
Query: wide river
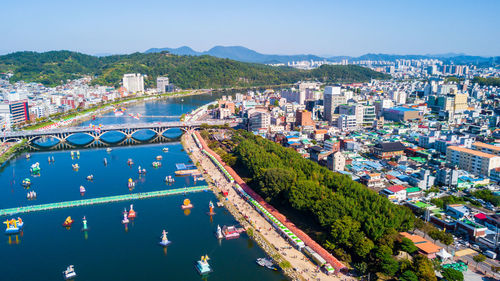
{"points": [[109, 250]]}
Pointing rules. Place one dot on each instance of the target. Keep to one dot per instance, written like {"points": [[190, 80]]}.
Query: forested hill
{"points": [[52, 68]]}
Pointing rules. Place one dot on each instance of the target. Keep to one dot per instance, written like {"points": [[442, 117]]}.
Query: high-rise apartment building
{"points": [[399, 97], [14, 112], [162, 84], [133, 82], [332, 98]]}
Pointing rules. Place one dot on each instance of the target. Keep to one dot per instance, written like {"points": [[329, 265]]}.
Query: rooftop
{"points": [[390, 146], [488, 146], [422, 244], [400, 108], [396, 188], [470, 151]]}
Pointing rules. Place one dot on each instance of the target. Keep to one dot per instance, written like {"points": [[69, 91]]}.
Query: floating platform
{"points": [[102, 200], [182, 166], [193, 172]]}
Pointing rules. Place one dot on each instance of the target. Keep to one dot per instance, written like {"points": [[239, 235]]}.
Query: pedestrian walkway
{"points": [[102, 200]]}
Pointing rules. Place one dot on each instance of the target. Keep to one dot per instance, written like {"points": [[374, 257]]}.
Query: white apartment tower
{"points": [[133, 82], [331, 99], [162, 84]]}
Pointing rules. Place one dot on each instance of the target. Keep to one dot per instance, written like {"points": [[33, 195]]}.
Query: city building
{"points": [[402, 114], [14, 112], [476, 162], [387, 150], [304, 118], [395, 193], [353, 110], [369, 115], [332, 98], [332, 145], [259, 120], [133, 82], [292, 95], [447, 177], [336, 161], [162, 84], [399, 97], [486, 148], [347, 122], [425, 247]]}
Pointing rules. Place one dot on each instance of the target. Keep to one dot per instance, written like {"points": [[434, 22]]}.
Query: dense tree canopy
{"points": [[357, 222], [488, 196], [53, 68], [451, 274], [489, 81]]}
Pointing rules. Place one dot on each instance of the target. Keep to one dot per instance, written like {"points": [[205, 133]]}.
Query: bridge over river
{"points": [[127, 129]]}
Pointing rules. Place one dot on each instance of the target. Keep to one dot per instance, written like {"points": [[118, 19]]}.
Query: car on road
{"points": [[490, 254]]}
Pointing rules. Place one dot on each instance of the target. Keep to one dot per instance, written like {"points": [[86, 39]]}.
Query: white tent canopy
{"points": [[443, 254]]}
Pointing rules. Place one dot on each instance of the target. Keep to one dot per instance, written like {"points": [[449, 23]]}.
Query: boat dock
{"points": [[101, 200]]}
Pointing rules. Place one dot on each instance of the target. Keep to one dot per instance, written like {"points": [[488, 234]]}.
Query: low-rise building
{"points": [[425, 247], [387, 150], [395, 193], [402, 114], [336, 161]]}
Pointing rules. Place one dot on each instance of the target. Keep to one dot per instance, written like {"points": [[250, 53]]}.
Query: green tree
{"points": [[361, 267], [479, 258], [408, 246], [363, 247], [451, 274], [389, 265], [447, 239], [408, 275], [424, 269], [274, 181]]}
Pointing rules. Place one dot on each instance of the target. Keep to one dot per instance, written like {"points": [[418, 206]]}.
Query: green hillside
{"points": [[53, 68]]}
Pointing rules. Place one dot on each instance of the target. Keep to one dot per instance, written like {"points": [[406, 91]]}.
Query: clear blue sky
{"points": [[349, 27]]}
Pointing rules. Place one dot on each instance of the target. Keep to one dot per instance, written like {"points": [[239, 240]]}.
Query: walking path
{"points": [[101, 200], [297, 259]]}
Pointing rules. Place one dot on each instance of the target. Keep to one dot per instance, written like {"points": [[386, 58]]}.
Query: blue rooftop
{"points": [[400, 108]]}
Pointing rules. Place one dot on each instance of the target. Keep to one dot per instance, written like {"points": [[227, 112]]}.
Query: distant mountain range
{"points": [[236, 53], [243, 54]]}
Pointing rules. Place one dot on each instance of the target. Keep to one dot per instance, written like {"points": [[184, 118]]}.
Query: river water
{"points": [[109, 250]]}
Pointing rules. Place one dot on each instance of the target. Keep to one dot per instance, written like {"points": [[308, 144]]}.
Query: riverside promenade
{"points": [[298, 261], [302, 235], [101, 200]]}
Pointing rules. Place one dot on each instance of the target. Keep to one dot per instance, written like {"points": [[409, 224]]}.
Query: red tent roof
{"points": [[480, 216]]}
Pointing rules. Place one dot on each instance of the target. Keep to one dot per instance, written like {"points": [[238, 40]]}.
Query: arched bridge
{"points": [[62, 134]]}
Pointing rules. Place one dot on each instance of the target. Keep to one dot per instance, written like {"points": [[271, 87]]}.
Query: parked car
{"points": [[490, 254]]}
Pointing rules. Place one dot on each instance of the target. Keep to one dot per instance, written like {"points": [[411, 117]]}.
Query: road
{"points": [[484, 267]]}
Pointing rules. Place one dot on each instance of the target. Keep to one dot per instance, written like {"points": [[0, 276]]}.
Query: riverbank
{"points": [[11, 151], [87, 114], [301, 268]]}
